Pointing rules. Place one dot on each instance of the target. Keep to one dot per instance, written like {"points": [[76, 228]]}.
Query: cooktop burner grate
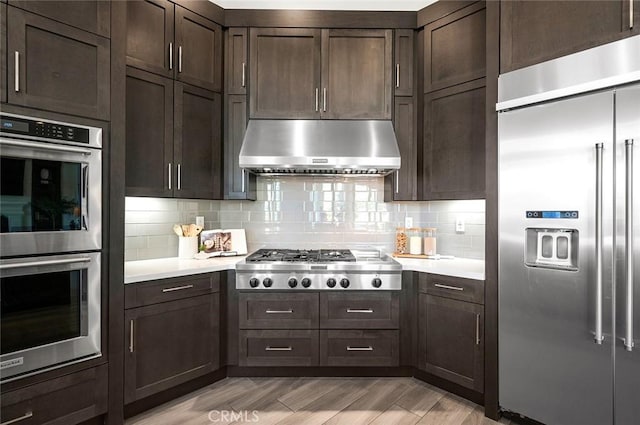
{"points": [[301, 256]]}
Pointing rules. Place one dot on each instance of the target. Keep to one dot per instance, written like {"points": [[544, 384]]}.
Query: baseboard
{"points": [[318, 371]]}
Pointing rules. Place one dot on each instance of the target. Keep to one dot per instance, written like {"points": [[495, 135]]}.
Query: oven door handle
{"points": [[45, 263], [45, 146]]}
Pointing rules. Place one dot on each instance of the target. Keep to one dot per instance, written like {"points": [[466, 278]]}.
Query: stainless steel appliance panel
{"points": [[627, 344], [550, 367]]}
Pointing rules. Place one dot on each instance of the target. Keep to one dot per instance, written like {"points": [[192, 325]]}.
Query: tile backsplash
{"points": [[306, 212]]}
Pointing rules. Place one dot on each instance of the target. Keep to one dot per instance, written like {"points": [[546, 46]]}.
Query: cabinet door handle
{"points": [[170, 55], [170, 176], [179, 176], [131, 338], [397, 75], [268, 348], [269, 311], [244, 74], [397, 181], [17, 71], [477, 329], [369, 348], [20, 419], [453, 288], [631, 14], [324, 98], [359, 310], [243, 177], [317, 90], [177, 288], [179, 58]]}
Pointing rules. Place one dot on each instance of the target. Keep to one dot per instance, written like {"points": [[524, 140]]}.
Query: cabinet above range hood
{"points": [[309, 147]]}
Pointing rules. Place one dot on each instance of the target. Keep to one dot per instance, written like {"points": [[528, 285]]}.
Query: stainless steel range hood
{"points": [[346, 147]]}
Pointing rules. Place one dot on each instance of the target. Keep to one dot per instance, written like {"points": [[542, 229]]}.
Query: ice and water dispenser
{"points": [[552, 247]]}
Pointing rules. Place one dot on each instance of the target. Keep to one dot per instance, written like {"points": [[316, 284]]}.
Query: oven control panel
{"points": [[318, 281], [42, 129]]}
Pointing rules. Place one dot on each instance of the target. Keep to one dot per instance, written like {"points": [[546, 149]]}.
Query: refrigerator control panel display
{"points": [[552, 214]]}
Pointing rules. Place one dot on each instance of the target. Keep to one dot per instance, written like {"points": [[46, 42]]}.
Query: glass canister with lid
{"points": [[401, 240], [429, 240], [415, 241]]}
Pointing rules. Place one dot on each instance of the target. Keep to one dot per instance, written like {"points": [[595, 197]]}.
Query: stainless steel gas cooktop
{"points": [[319, 269]]}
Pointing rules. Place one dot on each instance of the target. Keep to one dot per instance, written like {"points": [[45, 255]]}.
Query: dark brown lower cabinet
{"points": [[451, 340], [278, 348], [283, 310], [170, 343], [359, 310], [359, 347], [69, 399]]}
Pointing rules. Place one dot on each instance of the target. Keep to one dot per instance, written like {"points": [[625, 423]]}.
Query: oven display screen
{"points": [[40, 309], [15, 125]]}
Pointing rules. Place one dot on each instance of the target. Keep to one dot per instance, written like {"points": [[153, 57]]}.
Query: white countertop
{"points": [[161, 268]]}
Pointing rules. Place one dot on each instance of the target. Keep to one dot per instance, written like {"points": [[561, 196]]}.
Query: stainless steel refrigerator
{"points": [[569, 238]]}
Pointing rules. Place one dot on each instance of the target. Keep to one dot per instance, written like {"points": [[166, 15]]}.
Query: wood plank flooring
{"points": [[317, 401]]}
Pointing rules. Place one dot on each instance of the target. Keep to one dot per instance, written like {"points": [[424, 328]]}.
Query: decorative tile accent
{"points": [[306, 212]]}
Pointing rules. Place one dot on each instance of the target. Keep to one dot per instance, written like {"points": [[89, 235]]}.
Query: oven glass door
{"points": [[50, 198], [50, 312]]}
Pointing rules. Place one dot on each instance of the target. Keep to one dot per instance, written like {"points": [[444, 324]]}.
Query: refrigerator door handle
{"points": [[599, 337], [628, 336]]}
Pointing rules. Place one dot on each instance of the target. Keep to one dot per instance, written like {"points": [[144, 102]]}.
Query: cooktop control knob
{"points": [[306, 282], [267, 282], [293, 282], [344, 282], [376, 282], [253, 282], [331, 282]]}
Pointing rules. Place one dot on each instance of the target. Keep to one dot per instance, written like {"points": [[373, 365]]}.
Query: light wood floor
{"points": [[317, 401]]}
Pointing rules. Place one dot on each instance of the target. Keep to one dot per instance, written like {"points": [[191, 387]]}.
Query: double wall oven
{"points": [[50, 242]]}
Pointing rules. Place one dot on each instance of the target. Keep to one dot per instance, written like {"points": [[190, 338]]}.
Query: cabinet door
{"points": [[454, 48], [356, 74], [150, 36], [69, 399], [239, 184], [170, 343], [197, 142], [149, 132], [402, 184], [56, 67], [93, 16], [285, 73], [451, 340], [404, 65], [199, 50], [236, 63], [536, 31], [359, 310], [454, 141]]}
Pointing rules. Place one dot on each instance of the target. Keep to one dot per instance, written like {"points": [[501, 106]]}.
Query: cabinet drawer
{"points": [[70, 399], [452, 287], [278, 348], [278, 311], [158, 291], [359, 310], [358, 348]]}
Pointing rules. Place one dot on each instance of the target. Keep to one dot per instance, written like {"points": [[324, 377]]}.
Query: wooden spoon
{"points": [[177, 229]]}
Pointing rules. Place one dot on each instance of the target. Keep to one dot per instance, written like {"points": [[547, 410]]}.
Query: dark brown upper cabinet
{"points": [[174, 138], [402, 184], [454, 142], [91, 16], [285, 73], [311, 73], [3, 53], [197, 142], [356, 74], [56, 67], [454, 48], [174, 42], [236, 61], [535, 31], [239, 183], [404, 64]]}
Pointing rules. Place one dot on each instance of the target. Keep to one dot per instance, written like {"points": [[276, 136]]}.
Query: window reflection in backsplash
{"points": [[306, 212]]}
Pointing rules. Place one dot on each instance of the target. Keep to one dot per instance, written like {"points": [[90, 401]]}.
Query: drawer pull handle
{"points": [[369, 348], [131, 337], [177, 288], [269, 311], [453, 288], [20, 419], [359, 310], [268, 348]]}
